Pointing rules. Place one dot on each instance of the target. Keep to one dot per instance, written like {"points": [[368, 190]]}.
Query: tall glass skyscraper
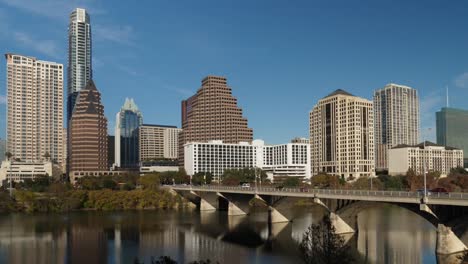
{"points": [[452, 129], [79, 70], [128, 121]]}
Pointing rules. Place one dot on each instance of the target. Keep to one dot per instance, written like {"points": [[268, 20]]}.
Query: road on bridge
{"points": [[457, 199]]}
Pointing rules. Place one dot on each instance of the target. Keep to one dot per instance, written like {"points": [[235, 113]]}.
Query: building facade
{"points": [[425, 156], [287, 160], [34, 108], [158, 141], [300, 140], [396, 120], [88, 132], [452, 129], [128, 121], [19, 171], [213, 114], [342, 136], [79, 70]]}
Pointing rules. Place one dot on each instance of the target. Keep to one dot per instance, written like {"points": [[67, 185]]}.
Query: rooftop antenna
{"points": [[447, 96]]}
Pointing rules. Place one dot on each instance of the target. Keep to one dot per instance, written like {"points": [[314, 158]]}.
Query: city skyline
{"points": [[261, 50]]}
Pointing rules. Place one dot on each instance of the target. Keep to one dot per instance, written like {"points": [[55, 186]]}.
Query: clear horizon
{"points": [[280, 59]]}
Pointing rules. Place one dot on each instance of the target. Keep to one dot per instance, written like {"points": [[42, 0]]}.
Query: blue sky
{"points": [[280, 57]]}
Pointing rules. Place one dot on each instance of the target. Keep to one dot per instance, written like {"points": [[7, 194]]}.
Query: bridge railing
{"points": [[432, 195]]}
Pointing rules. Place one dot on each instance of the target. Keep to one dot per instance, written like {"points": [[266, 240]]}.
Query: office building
{"points": [[34, 108], [19, 171], [127, 123], [396, 120], [342, 136], [278, 161], [452, 129], [79, 70], [158, 142], [88, 132], [425, 156], [213, 114]]}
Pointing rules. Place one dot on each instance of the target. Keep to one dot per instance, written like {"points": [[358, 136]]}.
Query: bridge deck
{"points": [[458, 199]]}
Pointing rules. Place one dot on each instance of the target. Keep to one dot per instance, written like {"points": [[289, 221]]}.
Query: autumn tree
{"points": [[324, 180]]}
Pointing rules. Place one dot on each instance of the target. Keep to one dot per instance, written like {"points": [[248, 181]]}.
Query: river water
{"points": [[387, 234]]}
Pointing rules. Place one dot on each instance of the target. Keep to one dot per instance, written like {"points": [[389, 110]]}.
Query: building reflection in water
{"points": [[395, 235], [386, 235]]}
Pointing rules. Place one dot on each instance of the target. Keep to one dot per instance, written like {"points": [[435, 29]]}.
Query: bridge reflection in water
{"points": [[446, 212]]}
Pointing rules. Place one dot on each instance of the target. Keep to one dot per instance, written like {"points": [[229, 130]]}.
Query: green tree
{"points": [[365, 183], [149, 181], [292, 182], [321, 245], [201, 178]]}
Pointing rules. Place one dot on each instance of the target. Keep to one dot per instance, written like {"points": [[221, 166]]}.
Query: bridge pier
{"points": [[447, 242], [341, 227]]}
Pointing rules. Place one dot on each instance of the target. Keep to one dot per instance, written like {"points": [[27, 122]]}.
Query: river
{"points": [[387, 234]]}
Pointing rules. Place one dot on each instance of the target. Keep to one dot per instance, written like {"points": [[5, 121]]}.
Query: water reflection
{"points": [[386, 235]]}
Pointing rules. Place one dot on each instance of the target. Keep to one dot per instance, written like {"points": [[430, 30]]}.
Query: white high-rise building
{"points": [[34, 108], [396, 117], [79, 51], [79, 70], [286, 160], [342, 136], [158, 141]]}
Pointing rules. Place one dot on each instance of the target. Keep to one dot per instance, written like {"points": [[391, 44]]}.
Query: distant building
{"points": [[396, 113], [158, 142], [300, 140], [159, 166], [342, 136], [287, 160], [20, 171], [452, 129], [2, 149], [88, 132], [34, 108], [213, 114], [128, 121], [432, 157]]}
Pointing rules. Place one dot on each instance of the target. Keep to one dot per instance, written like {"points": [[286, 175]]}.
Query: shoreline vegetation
{"points": [[126, 192], [135, 192]]}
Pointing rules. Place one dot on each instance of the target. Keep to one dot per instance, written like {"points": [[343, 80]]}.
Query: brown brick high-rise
{"points": [[212, 114], [88, 132]]}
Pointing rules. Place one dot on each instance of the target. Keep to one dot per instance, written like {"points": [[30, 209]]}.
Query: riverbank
{"points": [[71, 200]]}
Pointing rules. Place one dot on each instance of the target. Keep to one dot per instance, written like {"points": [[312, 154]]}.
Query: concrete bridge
{"points": [[448, 212]]}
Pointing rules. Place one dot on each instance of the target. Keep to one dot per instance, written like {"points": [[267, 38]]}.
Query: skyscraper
{"points": [[342, 136], [452, 129], [158, 141], [88, 132], [127, 122], [34, 108], [212, 114], [396, 113], [79, 68]]}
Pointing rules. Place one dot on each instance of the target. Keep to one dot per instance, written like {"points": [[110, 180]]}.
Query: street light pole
{"points": [[424, 162]]}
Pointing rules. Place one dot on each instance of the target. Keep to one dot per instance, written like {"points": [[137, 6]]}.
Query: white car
{"points": [[245, 185]]}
